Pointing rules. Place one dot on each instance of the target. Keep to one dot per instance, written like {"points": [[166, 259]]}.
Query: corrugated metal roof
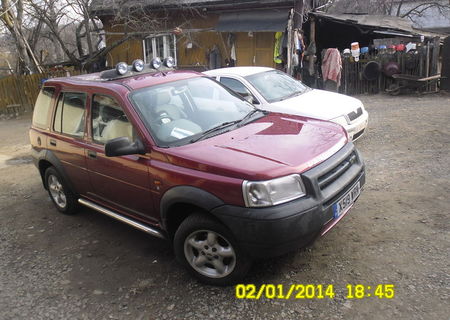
{"points": [[377, 21], [108, 5]]}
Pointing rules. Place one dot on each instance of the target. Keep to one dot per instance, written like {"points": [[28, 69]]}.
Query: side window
{"points": [[108, 120], [42, 107], [236, 86], [70, 114]]}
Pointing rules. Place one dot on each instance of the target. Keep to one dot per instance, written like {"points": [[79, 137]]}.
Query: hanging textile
{"points": [[332, 66], [277, 56]]}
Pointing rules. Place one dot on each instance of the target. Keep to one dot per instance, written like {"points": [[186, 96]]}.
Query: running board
{"points": [[122, 218]]}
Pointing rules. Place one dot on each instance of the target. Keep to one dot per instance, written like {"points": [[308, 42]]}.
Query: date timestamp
{"points": [[312, 291]]}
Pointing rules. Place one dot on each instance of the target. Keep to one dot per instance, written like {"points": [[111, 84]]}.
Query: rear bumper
{"points": [[273, 231]]}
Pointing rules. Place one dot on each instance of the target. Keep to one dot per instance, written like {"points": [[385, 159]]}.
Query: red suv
{"points": [[177, 155]]}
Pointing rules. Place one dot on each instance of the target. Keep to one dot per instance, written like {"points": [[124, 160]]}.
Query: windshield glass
{"points": [[178, 112], [276, 85]]}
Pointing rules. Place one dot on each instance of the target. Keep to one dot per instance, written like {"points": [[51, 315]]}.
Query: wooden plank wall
{"points": [[24, 89], [203, 40]]}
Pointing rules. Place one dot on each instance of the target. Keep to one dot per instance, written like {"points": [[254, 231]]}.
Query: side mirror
{"points": [[249, 98], [122, 146]]}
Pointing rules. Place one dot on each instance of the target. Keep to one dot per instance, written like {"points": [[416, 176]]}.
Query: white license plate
{"points": [[346, 201]]}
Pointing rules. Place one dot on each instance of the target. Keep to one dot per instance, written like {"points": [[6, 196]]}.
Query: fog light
{"points": [[156, 63], [169, 62], [138, 65], [122, 68]]}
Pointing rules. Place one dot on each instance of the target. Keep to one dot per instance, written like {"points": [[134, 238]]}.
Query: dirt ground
{"points": [[89, 266]]}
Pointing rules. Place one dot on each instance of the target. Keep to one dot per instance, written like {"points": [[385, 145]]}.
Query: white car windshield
{"points": [[275, 85], [184, 111]]}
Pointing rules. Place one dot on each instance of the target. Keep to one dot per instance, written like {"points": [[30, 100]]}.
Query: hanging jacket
{"points": [[277, 49]]}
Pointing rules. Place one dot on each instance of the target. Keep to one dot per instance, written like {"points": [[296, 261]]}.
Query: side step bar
{"points": [[112, 214]]}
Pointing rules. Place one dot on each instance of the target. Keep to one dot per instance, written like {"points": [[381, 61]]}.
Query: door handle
{"points": [[92, 154], [53, 142]]}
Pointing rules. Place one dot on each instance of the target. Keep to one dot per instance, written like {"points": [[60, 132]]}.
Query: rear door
{"points": [[66, 140], [121, 183]]}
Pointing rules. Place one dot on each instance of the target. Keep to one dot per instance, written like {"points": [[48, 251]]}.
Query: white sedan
{"points": [[275, 91]]}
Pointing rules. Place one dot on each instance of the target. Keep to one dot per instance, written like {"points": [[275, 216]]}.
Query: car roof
{"points": [[132, 82], [240, 71]]}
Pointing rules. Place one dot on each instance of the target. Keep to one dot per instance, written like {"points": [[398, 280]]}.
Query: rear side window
{"points": [[42, 107], [70, 114]]}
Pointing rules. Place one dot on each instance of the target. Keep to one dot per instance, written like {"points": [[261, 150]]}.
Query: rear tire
{"points": [[62, 197], [209, 251]]}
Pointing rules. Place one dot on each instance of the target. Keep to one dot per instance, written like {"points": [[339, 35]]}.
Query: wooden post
{"points": [[298, 14], [312, 39], [289, 43], [435, 55], [435, 59], [445, 71], [427, 61]]}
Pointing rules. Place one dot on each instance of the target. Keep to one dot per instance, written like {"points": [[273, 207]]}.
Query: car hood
{"points": [[318, 104], [272, 146]]}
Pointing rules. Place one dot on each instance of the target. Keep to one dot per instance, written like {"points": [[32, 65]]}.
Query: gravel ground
{"points": [[89, 266]]}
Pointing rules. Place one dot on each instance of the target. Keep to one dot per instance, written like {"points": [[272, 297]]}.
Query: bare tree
{"points": [[69, 30], [418, 9], [12, 17], [54, 15], [400, 8]]}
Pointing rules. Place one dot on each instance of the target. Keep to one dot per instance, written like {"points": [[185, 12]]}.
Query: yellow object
{"points": [[277, 48]]}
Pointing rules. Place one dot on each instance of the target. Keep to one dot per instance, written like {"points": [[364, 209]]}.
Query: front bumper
{"points": [[356, 129], [273, 231]]}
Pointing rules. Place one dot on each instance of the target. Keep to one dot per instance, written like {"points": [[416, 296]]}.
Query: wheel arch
{"points": [[48, 160], [181, 201]]}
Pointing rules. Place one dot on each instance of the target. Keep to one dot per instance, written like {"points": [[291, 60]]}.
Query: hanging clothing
{"points": [[215, 58], [233, 52], [332, 66], [277, 56], [297, 40]]}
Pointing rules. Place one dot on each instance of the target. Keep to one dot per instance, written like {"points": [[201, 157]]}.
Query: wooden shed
{"points": [[204, 34]]}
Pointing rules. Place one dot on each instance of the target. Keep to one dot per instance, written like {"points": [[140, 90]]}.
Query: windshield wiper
{"points": [[227, 124], [213, 129], [248, 116]]}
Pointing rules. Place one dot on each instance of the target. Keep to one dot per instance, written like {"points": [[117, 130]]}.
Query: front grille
{"points": [[343, 191], [337, 171], [355, 114]]}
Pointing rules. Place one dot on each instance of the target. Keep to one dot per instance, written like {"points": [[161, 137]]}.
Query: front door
{"points": [[121, 183]]}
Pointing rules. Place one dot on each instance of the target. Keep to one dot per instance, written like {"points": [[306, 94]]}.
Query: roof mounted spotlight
{"points": [[138, 65], [121, 68], [156, 63], [169, 62]]}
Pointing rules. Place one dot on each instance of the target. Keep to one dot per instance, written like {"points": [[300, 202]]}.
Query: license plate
{"points": [[346, 201]]}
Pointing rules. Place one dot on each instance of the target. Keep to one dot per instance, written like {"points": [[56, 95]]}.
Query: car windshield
{"points": [[275, 85], [185, 111]]}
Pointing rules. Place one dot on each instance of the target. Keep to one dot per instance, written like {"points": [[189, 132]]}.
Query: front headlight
{"points": [[342, 120], [272, 192]]}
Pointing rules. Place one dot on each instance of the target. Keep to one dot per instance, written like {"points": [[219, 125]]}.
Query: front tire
{"points": [[209, 251], [63, 199]]}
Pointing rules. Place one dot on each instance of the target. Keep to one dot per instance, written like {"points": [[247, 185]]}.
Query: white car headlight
{"points": [[273, 192], [342, 120]]}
